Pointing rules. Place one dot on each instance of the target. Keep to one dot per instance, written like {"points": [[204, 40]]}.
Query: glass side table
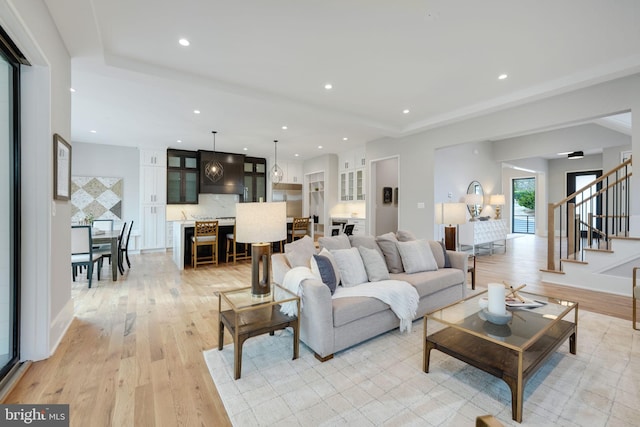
{"points": [[246, 316]]}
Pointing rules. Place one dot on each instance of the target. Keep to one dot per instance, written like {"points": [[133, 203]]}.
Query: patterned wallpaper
{"points": [[100, 196]]}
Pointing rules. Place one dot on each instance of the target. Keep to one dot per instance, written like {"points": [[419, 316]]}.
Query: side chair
{"points": [[205, 234], [299, 228], [82, 254]]}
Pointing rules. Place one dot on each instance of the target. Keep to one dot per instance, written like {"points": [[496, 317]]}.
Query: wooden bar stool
{"points": [[233, 251], [299, 228], [205, 234]]}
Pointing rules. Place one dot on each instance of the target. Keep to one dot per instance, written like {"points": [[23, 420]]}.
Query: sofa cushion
{"points": [[341, 241], [322, 268], [417, 256], [299, 252], [405, 236], [373, 264], [351, 267], [367, 242], [387, 243], [336, 270], [440, 254], [346, 310], [429, 282]]}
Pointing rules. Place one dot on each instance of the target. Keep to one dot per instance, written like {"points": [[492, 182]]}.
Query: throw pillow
{"points": [[336, 270], [322, 268], [440, 254], [405, 236], [387, 243], [351, 267], [374, 264], [447, 260], [417, 256], [367, 242], [341, 241], [299, 252]]}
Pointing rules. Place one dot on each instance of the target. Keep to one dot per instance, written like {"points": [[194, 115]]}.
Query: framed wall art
{"points": [[387, 195], [61, 168]]}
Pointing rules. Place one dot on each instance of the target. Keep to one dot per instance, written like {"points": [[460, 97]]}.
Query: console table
{"points": [[480, 233]]}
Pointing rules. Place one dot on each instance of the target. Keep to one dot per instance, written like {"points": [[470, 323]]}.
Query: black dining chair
{"points": [[82, 254], [123, 252]]}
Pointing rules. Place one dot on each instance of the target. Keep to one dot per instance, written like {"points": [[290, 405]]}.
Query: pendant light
{"points": [[276, 171], [213, 169]]}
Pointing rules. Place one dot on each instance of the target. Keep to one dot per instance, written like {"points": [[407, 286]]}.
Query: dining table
{"points": [[109, 237]]}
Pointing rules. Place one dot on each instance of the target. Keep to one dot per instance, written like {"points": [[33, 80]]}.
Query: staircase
{"points": [[588, 242]]}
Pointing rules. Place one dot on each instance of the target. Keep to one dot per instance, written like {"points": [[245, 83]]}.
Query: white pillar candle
{"points": [[496, 298]]}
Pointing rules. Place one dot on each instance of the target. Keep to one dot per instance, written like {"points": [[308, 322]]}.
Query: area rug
{"points": [[381, 382]]}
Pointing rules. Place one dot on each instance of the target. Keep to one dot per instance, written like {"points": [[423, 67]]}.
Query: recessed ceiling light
{"points": [[319, 147], [406, 111], [179, 141], [328, 86], [502, 76], [184, 42], [284, 127], [245, 149], [71, 89], [196, 111], [93, 131], [345, 138], [296, 155]]}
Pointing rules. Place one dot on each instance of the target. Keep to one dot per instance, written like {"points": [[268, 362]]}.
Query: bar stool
{"points": [[299, 228], [205, 234], [231, 240]]}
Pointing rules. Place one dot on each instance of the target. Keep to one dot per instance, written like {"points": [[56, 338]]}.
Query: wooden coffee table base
{"points": [[512, 366]]}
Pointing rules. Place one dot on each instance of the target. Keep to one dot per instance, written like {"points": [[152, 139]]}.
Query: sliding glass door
{"points": [[9, 205]]}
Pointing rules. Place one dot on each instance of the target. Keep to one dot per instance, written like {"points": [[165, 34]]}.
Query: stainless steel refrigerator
{"points": [[292, 195]]}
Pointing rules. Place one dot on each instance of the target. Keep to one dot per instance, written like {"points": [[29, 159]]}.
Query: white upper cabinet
{"points": [[351, 182]]}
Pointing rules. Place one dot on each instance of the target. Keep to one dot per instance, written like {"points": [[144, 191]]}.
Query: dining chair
{"points": [[123, 253], [82, 254], [105, 250], [232, 248], [299, 228], [205, 234]]}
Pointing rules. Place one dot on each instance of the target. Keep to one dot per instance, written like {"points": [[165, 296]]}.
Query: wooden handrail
{"points": [[602, 178]]}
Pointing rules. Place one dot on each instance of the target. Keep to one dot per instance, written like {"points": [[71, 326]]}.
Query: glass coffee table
{"points": [[246, 316], [512, 352]]}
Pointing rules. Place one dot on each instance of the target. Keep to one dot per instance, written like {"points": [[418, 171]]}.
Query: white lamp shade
{"points": [[261, 222], [451, 213], [474, 199], [497, 199]]}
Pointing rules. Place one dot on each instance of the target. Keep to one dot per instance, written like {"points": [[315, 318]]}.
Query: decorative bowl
{"points": [[496, 319]]}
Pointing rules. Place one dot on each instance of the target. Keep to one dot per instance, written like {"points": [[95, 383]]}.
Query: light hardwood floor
{"points": [[133, 354]]}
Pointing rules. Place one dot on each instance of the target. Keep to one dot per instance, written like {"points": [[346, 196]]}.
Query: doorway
{"points": [[523, 205], [577, 181], [384, 211]]}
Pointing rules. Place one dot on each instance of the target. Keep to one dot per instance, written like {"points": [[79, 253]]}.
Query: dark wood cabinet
{"points": [[182, 177], [255, 179]]}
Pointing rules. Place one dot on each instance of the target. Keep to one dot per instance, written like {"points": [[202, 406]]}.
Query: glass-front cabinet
{"points": [[255, 179], [182, 177], [352, 178]]}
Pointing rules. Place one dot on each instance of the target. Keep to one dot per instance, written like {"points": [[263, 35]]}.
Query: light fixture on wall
{"points": [[452, 214], [498, 201], [575, 155], [213, 169], [276, 171]]}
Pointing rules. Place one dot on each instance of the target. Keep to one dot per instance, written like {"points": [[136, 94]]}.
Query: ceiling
{"points": [[253, 66]]}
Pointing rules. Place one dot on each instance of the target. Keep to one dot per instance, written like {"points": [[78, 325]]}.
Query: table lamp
{"points": [[261, 224], [475, 202], [452, 214], [498, 201]]}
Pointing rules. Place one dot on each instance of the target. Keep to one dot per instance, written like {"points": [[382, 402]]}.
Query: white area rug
{"points": [[381, 382]]}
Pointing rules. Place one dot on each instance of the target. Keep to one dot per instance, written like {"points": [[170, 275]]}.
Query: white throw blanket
{"points": [[399, 295], [292, 281]]}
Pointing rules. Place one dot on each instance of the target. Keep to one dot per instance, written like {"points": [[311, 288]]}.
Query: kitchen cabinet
{"points": [[351, 181], [153, 183], [255, 179], [359, 225], [182, 177], [293, 172]]}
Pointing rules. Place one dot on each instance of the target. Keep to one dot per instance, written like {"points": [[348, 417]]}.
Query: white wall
{"points": [[384, 173], [47, 308], [112, 161], [417, 152]]}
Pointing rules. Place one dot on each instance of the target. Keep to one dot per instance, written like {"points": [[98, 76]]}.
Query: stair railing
{"points": [[589, 217]]}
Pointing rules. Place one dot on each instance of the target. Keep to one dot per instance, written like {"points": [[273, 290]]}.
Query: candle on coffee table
{"points": [[496, 298]]}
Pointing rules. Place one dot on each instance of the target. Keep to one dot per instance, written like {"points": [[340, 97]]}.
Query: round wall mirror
{"points": [[474, 199]]}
